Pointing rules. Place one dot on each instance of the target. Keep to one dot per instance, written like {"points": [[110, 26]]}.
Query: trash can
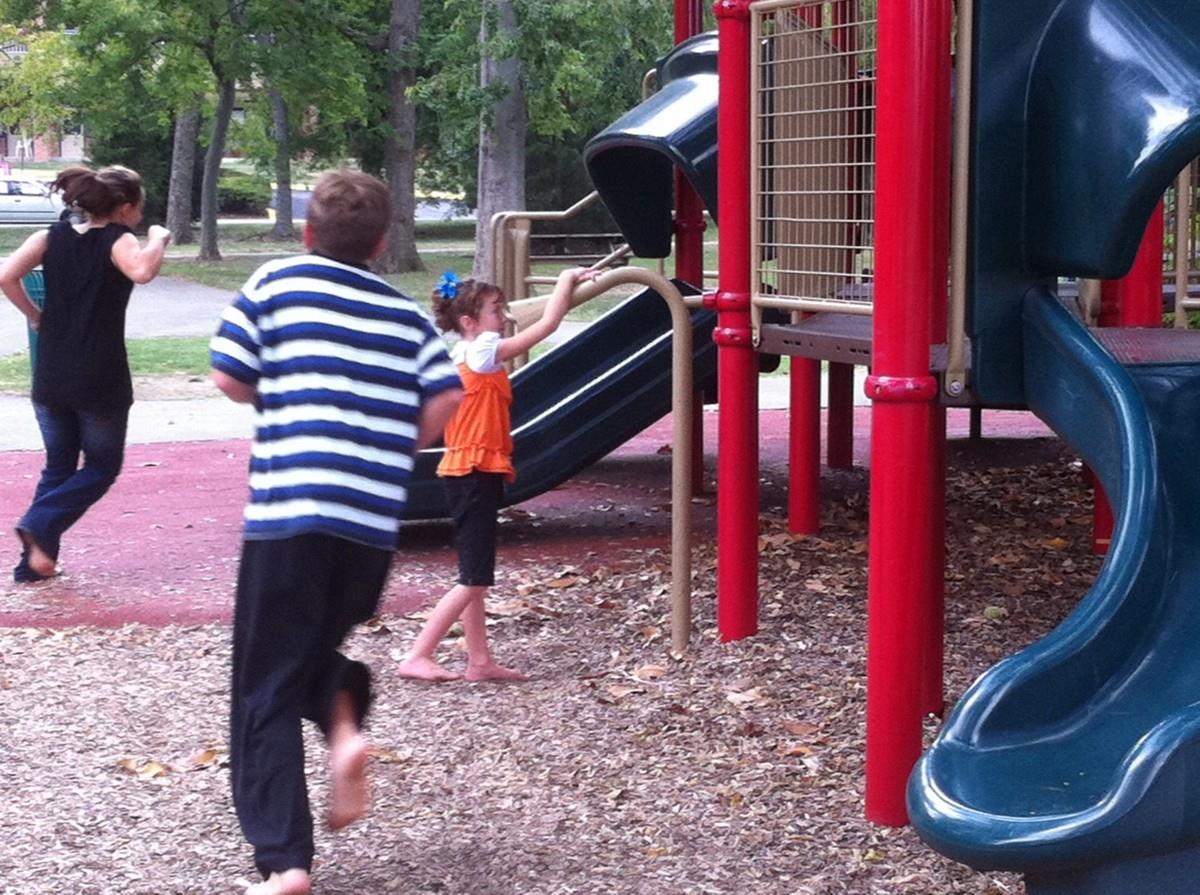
{"points": [[35, 285]]}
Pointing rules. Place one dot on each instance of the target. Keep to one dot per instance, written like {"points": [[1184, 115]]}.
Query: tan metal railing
{"points": [[955, 381], [510, 253]]}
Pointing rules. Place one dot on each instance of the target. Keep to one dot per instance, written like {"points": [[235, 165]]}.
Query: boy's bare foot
{"points": [[422, 669], [349, 795], [41, 562], [290, 882], [492, 671]]}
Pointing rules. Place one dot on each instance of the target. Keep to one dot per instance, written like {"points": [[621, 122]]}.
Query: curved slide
{"points": [[632, 162], [1077, 760], [585, 398]]}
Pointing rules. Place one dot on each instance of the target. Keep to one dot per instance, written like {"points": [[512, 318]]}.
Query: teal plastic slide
{"points": [[1077, 760]]}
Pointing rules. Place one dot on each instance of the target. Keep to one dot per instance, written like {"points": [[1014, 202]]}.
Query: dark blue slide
{"points": [[585, 398], [632, 162], [1077, 760]]}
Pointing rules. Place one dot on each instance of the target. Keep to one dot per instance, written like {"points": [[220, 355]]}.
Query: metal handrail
{"points": [[955, 381], [1183, 223], [681, 439]]}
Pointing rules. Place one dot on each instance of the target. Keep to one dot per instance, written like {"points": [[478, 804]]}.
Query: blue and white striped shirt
{"points": [[343, 363]]}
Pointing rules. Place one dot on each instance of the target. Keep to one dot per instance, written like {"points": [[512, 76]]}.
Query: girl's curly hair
{"points": [[467, 300]]}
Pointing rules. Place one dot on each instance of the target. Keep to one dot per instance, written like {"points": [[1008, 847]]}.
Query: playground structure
{"points": [[1072, 120]]}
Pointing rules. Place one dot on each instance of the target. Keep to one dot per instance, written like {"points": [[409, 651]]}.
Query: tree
{"points": [[183, 163], [398, 160], [580, 67], [502, 128]]}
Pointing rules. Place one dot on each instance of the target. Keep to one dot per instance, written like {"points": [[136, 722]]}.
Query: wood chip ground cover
{"points": [[616, 769]]}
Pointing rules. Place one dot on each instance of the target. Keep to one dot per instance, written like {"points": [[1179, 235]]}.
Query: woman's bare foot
{"points": [[349, 795], [290, 882], [41, 562], [422, 669], [492, 671]]}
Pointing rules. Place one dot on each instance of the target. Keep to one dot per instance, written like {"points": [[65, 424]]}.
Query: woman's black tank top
{"points": [[81, 361]]}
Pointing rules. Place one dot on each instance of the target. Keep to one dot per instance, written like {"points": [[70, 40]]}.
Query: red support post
{"points": [[689, 236], [804, 446], [1134, 300], [914, 48], [737, 362], [839, 424]]}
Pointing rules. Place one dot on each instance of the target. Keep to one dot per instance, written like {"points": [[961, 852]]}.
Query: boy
{"points": [[349, 379]]}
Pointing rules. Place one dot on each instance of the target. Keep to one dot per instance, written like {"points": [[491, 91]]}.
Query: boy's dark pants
{"points": [[297, 598]]}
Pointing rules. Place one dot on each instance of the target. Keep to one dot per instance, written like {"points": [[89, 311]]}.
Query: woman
{"points": [[82, 389]]}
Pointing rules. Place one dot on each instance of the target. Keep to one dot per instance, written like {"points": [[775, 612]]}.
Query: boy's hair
{"points": [[468, 300], [349, 214], [99, 193]]}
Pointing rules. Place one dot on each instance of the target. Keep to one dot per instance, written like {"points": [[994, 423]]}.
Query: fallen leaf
{"points": [[753, 696], [144, 770], [798, 751], [651, 672], [799, 728], [389, 756], [212, 757]]}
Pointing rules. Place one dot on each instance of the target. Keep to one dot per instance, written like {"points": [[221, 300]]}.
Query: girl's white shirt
{"points": [[479, 354]]}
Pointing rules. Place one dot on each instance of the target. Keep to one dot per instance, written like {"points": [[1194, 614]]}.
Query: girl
{"points": [[478, 460], [82, 389]]}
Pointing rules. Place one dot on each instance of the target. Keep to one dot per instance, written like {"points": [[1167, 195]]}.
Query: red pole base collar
{"points": [[733, 337], [901, 389]]}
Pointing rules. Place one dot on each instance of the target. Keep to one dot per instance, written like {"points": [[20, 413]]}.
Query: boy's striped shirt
{"points": [[343, 363]]}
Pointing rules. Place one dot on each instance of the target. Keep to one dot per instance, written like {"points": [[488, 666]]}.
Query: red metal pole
{"points": [[914, 45], [737, 362], [689, 237], [839, 426], [804, 446], [1134, 300]]}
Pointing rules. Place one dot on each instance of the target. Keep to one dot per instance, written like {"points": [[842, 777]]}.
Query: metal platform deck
{"points": [[1138, 345]]}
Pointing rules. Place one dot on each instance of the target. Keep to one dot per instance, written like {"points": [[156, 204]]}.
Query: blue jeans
{"points": [[66, 489]]}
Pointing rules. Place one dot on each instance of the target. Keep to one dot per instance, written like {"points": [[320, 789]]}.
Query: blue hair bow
{"points": [[447, 286]]}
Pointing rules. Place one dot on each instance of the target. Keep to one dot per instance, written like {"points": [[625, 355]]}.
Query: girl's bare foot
{"points": [[492, 671], [349, 796], [290, 882], [422, 669], [38, 559]]}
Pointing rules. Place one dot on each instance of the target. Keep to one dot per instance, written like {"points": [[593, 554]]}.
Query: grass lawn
{"points": [[147, 357]]}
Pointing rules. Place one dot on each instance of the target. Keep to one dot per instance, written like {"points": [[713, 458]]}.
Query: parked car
{"points": [[28, 202]]}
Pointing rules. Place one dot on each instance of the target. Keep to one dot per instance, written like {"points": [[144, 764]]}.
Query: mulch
{"points": [[616, 769]]}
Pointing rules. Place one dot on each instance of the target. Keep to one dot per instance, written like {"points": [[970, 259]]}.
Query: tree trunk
{"points": [[283, 228], [399, 157], [183, 163], [212, 170], [501, 137]]}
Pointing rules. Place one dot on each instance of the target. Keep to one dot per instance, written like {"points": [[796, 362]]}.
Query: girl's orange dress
{"points": [[479, 437]]}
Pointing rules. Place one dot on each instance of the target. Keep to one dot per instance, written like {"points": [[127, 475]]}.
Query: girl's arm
{"points": [[19, 263], [141, 263], [552, 315]]}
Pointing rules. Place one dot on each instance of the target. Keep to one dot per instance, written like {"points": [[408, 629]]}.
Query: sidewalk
{"points": [[168, 306]]}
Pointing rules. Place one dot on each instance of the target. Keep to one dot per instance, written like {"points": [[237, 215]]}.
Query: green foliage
{"points": [[583, 67], [240, 193]]}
